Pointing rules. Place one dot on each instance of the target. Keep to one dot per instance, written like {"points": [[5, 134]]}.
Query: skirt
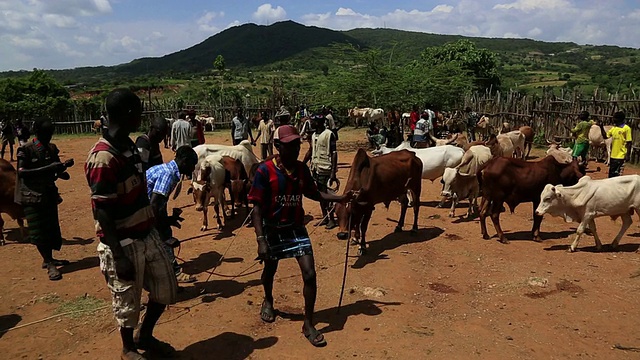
{"points": [[288, 242], [44, 227]]}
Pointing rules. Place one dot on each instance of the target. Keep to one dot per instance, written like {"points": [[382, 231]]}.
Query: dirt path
{"points": [[443, 293]]}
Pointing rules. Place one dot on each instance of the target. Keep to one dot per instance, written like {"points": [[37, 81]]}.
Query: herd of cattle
{"points": [[494, 169]]}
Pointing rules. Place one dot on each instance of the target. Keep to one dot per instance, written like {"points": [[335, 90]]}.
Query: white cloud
{"points": [[346, 12], [60, 21], [442, 8], [75, 7], [206, 21], [83, 40], [269, 14], [26, 42], [530, 5], [534, 32]]}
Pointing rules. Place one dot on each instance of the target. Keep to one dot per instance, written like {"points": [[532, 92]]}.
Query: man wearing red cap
{"points": [[278, 219]]}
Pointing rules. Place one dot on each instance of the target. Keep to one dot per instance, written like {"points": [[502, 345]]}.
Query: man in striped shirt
{"points": [[130, 250], [278, 219]]}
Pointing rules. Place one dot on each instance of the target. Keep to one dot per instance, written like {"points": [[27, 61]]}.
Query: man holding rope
{"points": [[278, 219]]}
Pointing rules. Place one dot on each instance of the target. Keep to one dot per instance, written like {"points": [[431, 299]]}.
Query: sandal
{"points": [[315, 337], [56, 263], [132, 355], [53, 272], [183, 278], [267, 314], [154, 346]]}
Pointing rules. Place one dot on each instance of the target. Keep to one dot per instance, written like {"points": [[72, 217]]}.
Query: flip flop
{"points": [[313, 336], [56, 263], [267, 314], [54, 273]]}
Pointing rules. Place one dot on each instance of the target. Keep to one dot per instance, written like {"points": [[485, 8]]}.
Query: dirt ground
{"points": [[443, 293]]}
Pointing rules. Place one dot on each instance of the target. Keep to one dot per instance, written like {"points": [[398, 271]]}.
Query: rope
{"points": [[52, 317], [228, 247], [346, 260]]}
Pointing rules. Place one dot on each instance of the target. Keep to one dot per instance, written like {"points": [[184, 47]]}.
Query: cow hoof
{"points": [[2, 242], [452, 215], [571, 250], [398, 229], [537, 239], [204, 228], [504, 241], [362, 251], [414, 230], [486, 236]]}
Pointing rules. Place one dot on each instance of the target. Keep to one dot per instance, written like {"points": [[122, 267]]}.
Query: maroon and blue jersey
{"points": [[279, 193]]}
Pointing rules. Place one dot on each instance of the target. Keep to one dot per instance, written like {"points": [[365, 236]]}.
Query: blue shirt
{"points": [[163, 178]]}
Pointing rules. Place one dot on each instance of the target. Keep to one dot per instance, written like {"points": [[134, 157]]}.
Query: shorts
{"points": [[616, 167], [582, 150], [287, 242], [43, 224], [154, 273], [321, 181]]}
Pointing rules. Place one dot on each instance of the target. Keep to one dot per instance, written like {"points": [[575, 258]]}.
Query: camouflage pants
{"points": [[153, 272]]}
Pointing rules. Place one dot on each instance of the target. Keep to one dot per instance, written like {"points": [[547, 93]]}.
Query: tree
{"points": [[482, 63], [219, 64]]}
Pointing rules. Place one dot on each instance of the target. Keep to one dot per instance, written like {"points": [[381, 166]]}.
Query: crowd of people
{"points": [[131, 185]]}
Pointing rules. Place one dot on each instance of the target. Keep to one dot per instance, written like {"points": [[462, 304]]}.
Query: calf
{"points": [[589, 199], [235, 180], [516, 181], [7, 193], [382, 179], [561, 154], [458, 186], [208, 181], [461, 182], [596, 140]]}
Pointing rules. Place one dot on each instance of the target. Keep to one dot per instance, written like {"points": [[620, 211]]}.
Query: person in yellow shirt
{"points": [[620, 145], [581, 132]]}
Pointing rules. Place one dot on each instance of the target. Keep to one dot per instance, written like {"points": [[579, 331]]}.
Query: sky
{"points": [[59, 34]]}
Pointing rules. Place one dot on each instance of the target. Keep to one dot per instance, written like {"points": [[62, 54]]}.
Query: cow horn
{"points": [[453, 139]]}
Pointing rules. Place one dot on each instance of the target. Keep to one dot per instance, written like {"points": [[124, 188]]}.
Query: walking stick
{"points": [[346, 262]]}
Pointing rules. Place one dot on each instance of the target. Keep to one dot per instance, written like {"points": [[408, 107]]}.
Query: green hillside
{"points": [[255, 54]]}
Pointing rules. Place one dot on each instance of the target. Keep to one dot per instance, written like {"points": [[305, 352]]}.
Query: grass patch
{"points": [[80, 306], [52, 298]]}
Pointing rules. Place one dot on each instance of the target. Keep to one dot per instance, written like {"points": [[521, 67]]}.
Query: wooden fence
{"points": [[551, 114]]}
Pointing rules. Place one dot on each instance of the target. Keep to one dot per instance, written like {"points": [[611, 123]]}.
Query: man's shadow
{"points": [[228, 345], [335, 321]]}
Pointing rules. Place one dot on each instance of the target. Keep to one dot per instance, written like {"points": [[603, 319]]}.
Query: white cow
{"points": [[461, 182], [443, 142], [512, 142], [208, 181], [457, 186], [242, 152], [375, 115], [434, 159], [588, 199], [596, 140], [563, 155]]}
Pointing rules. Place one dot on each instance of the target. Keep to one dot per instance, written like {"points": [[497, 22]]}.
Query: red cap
{"points": [[286, 133]]}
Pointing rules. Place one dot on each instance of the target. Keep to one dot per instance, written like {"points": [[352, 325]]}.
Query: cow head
{"points": [[201, 188], [552, 201], [448, 181], [343, 212]]}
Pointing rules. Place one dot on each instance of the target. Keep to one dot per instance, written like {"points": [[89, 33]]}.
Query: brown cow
{"points": [[376, 180], [7, 193], [235, 180], [527, 131], [97, 126], [516, 181]]}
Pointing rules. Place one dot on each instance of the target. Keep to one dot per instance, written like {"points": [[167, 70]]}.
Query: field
{"points": [[443, 293]]}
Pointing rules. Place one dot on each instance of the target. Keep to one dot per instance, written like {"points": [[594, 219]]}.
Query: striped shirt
{"points": [[162, 179], [279, 193], [117, 183]]}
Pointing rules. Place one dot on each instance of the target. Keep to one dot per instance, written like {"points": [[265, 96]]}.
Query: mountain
{"points": [[289, 46]]}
